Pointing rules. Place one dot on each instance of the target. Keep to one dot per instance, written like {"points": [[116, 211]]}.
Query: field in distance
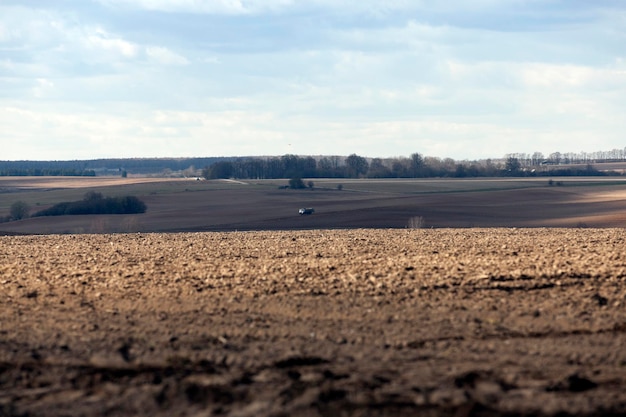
{"points": [[223, 205]]}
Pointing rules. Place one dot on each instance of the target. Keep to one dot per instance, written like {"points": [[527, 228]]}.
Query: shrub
{"points": [[296, 183], [19, 210]]}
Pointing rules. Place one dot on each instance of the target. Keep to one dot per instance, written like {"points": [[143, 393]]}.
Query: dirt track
{"points": [[365, 322]]}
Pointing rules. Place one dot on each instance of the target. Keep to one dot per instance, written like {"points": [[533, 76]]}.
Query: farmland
{"points": [[435, 322], [191, 205], [490, 297]]}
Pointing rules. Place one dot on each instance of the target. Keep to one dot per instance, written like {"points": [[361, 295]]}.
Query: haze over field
{"points": [[467, 80]]}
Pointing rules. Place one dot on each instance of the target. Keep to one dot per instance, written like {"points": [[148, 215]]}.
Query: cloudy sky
{"points": [[466, 79]]}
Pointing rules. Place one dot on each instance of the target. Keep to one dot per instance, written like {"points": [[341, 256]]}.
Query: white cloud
{"points": [[46, 44], [99, 39], [543, 75], [22, 28], [201, 6], [165, 56], [42, 87], [372, 8]]}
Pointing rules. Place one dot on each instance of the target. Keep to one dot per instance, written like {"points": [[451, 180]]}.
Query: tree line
{"points": [[96, 203], [108, 166], [288, 166], [46, 172], [567, 158], [92, 203], [415, 166]]}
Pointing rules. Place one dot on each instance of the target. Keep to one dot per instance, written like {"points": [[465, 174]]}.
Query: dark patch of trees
{"points": [[96, 203], [512, 166], [356, 166], [219, 170], [286, 166], [296, 183], [587, 171], [46, 172]]}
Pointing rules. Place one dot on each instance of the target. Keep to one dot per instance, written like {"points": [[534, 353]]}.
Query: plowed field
{"points": [[359, 322], [217, 206]]}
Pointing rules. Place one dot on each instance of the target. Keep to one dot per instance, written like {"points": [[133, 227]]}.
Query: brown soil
{"points": [[450, 322], [14, 184]]}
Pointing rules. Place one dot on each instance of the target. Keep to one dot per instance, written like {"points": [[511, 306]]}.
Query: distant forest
{"points": [[415, 166], [352, 166], [93, 167]]}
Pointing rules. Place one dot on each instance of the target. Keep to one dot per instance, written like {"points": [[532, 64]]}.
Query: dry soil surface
{"points": [[481, 322]]}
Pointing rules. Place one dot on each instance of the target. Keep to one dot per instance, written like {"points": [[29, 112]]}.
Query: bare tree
{"points": [[357, 165]]}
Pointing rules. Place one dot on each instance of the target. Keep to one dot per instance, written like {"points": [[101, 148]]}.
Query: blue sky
{"points": [[466, 79]]}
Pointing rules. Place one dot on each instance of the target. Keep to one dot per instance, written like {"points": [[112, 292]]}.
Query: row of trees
{"points": [[96, 203], [46, 172], [567, 158], [92, 203], [111, 166], [330, 166], [355, 166], [290, 166]]}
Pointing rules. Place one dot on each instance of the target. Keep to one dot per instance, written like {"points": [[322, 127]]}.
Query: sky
{"points": [[461, 79]]}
